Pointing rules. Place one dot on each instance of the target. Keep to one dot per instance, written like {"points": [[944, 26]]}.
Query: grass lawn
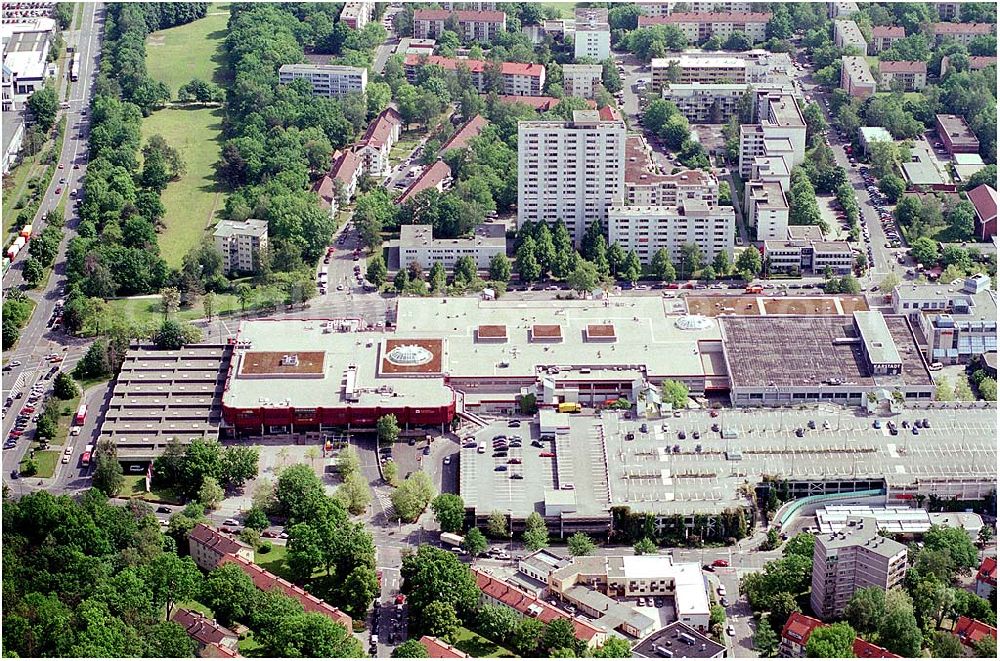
{"points": [[192, 200], [475, 645], [15, 185], [46, 460], [135, 487], [177, 55], [274, 560], [250, 647], [67, 409], [193, 605], [147, 310], [31, 306], [565, 8]]}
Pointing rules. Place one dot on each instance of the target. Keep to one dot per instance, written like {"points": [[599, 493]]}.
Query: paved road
{"points": [[37, 338]]}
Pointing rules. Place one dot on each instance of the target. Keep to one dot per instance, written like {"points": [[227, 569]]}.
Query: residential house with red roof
{"points": [[865, 650], [984, 199], [436, 176], [377, 142], [468, 131], [482, 26], [905, 75], [438, 649], [699, 26], [963, 33], [986, 578], [212, 639], [976, 63], [884, 36], [341, 180], [499, 592], [795, 635], [266, 581], [971, 631], [208, 546], [516, 78]]}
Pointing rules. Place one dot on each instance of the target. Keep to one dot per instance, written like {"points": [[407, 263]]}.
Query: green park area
{"points": [[475, 645], [147, 310], [46, 461], [176, 55]]}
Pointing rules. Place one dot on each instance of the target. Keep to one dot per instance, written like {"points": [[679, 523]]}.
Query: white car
{"points": [[74, 430], [230, 522], [68, 451]]}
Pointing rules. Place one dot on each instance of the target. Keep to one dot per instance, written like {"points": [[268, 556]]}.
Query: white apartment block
{"points": [[847, 34], [646, 188], [581, 80], [357, 15], [593, 34], [771, 169], [700, 26], [767, 210], [376, 144], [857, 557], [700, 68], [417, 244], [855, 76], [781, 131], [571, 171], [705, 102], [481, 26], [836, 9], [667, 8], [329, 80], [240, 243], [649, 229]]}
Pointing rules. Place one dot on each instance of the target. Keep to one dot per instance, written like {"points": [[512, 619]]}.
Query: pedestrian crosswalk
{"points": [[384, 496]]}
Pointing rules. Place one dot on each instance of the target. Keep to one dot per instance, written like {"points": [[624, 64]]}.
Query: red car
{"points": [[27, 410], [16, 432], [59, 190], [720, 563], [268, 533], [546, 454], [400, 598], [714, 413], [61, 166]]}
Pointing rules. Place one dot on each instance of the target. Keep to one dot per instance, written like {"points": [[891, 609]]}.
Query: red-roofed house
{"points": [[976, 63], [910, 75], [699, 26], [986, 579], [609, 114], [266, 581], [377, 142], [865, 650], [213, 640], [469, 130], [344, 173], [438, 649], [971, 631], [795, 634], [499, 593], [208, 546], [436, 176], [884, 36], [516, 78], [956, 135], [482, 26], [963, 33], [984, 198]]}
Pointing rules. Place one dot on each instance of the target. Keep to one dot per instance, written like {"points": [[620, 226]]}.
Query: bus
{"points": [[87, 452], [81, 415], [74, 68]]}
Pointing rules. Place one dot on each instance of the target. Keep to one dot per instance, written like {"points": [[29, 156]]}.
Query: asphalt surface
{"points": [[38, 339]]}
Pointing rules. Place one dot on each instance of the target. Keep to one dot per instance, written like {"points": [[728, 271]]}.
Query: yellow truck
{"points": [[570, 407]]}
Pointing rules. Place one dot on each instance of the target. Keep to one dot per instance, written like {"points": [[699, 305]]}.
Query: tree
{"points": [[721, 264], [559, 634], [210, 494], [238, 464], [43, 105], [661, 266], [465, 270], [739, 41], [449, 510], [439, 619], [108, 475], [313, 635], [899, 630], [168, 640], [985, 647], [411, 498], [410, 649], [173, 335], [893, 187], [528, 268], [632, 269], [172, 579], [390, 472], [889, 283], [497, 526], [749, 262], [613, 648], [474, 542], [496, 622], [717, 615], [536, 533], [359, 589], [387, 428], [674, 393], [923, 249], [256, 518], [584, 277], [765, 641], [945, 645], [33, 272], [377, 272], [645, 546], [230, 593], [580, 544], [955, 542], [354, 494], [865, 610], [432, 574], [831, 642], [500, 268], [802, 544], [348, 463]]}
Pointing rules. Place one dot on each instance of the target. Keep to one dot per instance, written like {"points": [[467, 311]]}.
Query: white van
{"points": [[934, 367]]}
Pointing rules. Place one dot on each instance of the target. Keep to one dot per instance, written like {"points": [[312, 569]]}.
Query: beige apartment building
{"points": [[327, 80], [808, 257], [241, 243], [963, 33], [884, 36], [767, 210], [855, 76], [644, 187], [699, 26], [417, 244], [582, 80], [908, 76], [573, 171], [857, 557], [710, 103], [357, 15], [835, 9], [781, 132], [481, 26], [208, 546], [685, 68], [667, 8]]}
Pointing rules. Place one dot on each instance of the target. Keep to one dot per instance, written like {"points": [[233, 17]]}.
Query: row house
{"points": [[515, 78], [480, 26]]}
